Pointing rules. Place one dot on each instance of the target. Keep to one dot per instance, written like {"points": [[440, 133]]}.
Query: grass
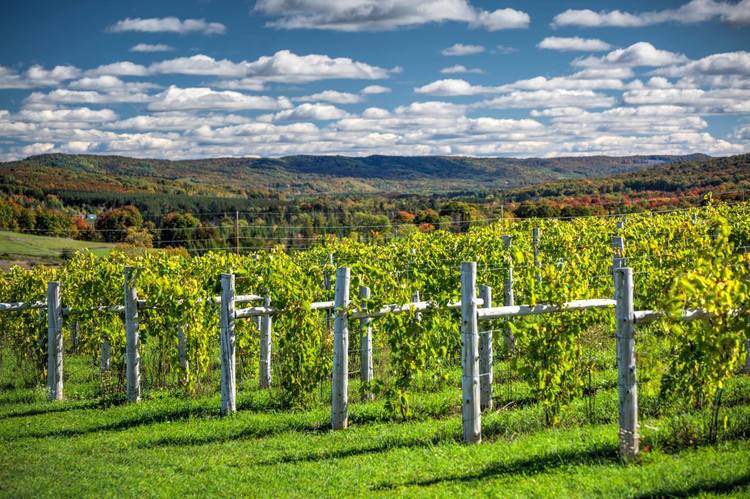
{"points": [[171, 445], [15, 246]]}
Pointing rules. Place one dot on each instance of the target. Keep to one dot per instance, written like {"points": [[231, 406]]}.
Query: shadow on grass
{"points": [[603, 454], [52, 407], [734, 485]]}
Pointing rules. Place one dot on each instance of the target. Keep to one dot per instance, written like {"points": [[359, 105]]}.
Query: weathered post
{"points": [[228, 390], [132, 354], [106, 360], [508, 299], [265, 347], [415, 299], [626, 375], [54, 342], [486, 372], [535, 241], [340, 386], [182, 354], [365, 346], [472, 423]]}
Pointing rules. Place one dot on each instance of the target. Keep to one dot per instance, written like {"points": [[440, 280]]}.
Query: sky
{"points": [[207, 78]]}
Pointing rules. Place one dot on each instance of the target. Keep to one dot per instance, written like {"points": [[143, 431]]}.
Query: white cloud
{"points": [[308, 111], [331, 96], [178, 120], [577, 81], [68, 115], [727, 63], [168, 25], [638, 54], [458, 68], [184, 99], [692, 12], [376, 15], [67, 96], [549, 98], [199, 65], [504, 49], [108, 83], [574, 44], [122, 68], [37, 76], [285, 66], [461, 49], [37, 148], [151, 47], [374, 89], [252, 84], [453, 87]]}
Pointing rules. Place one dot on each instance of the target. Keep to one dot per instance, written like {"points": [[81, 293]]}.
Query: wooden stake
{"points": [[132, 355], [340, 385], [486, 374], [54, 342], [228, 390], [626, 375], [106, 355], [508, 299], [365, 346], [472, 422], [182, 354], [265, 347]]}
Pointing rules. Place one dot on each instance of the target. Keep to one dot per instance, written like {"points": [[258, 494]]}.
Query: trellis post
{"points": [[472, 423], [228, 390], [340, 385], [508, 299], [106, 359], [486, 373], [54, 342], [365, 346], [265, 347], [132, 355], [182, 355], [626, 373]]}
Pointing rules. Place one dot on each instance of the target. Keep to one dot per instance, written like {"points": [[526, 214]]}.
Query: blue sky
{"points": [[186, 79]]}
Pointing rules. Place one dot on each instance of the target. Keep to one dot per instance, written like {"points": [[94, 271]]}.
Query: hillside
{"points": [[300, 175]]}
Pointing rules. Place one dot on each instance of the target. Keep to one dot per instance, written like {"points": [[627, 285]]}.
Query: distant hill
{"points": [[308, 175]]}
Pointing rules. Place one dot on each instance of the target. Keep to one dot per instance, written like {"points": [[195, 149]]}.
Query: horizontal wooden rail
{"points": [[9, 307], [646, 316], [521, 310]]}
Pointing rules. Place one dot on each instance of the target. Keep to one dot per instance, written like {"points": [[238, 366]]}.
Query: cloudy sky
{"points": [[202, 78]]}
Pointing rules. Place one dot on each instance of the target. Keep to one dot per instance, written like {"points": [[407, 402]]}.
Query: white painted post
{"points": [[365, 346], [228, 390], [132, 355], [470, 411], [182, 354], [340, 385], [626, 375], [535, 241], [54, 342], [265, 347], [106, 355], [486, 372]]}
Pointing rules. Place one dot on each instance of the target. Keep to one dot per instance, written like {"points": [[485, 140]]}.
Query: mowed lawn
{"points": [[17, 246], [172, 445]]}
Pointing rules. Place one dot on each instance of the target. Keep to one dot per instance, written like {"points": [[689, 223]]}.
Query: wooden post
{"points": [[182, 354], [626, 375], [470, 411], [132, 355], [106, 360], [265, 347], [228, 390], [535, 241], [340, 386], [508, 299], [486, 374], [415, 299], [54, 342], [365, 347]]}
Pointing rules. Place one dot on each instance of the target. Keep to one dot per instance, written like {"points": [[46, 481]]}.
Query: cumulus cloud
{"points": [[67, 96], [458, 68], [574, 44], [68, 115], [308, 111], [121, 68], [453, 87], [638, 54], [151, 47], [692, 12], [109, 82], [375, 15], [374, 89], [549, 98], [331, 96], [37, 76], [461, 49], [183, 99], [168, 25]]}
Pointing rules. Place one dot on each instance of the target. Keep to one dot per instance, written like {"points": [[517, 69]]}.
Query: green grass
{"points": [[14, 245], [171, 445]]}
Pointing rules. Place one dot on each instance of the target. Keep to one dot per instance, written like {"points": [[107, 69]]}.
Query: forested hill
{"points": [[293, 175]]}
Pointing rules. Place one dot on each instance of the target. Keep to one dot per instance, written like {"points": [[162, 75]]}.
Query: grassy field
{"points": [[172, 445], [29, 248]]}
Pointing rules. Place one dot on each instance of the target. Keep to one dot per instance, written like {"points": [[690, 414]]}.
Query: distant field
{"points": [[28, 248]]}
